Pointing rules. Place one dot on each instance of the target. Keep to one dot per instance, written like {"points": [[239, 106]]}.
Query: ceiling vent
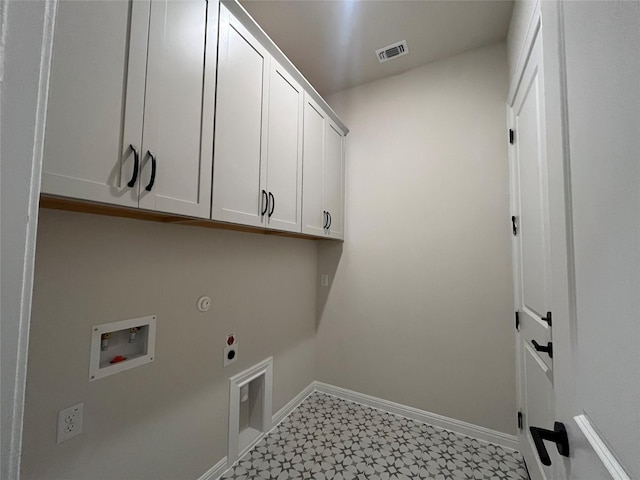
{"points": [[391, 51]]}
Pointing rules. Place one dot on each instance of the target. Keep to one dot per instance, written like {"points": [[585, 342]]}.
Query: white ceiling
{"points": [[333, 42]]}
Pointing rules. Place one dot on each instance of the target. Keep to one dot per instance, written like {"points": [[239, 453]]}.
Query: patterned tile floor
{"points": [[327, 438]]}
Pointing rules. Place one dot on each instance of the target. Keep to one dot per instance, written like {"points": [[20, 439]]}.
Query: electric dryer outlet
{"points": [[230, 354]]}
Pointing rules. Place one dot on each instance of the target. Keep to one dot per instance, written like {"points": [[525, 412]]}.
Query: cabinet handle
{"points": [[265, 203], [136, 165], [324, 214], [272, 202], [152, 180], [540, 348], [330, 221]]}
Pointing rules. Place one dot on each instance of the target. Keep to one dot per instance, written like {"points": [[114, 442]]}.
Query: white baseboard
{"points": [[216, 471], [463, 428], [293, 404], [457, 426]]}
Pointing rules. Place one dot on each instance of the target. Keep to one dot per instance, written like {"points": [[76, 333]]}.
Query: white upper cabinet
{"points": [[284, 151], [106, 56], [177, 142], [257, 176], [239, 193], [333, 180], [90, 123], [187, 107], [314, 217], [323, 177]]}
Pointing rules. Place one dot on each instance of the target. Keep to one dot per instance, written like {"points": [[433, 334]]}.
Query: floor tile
{"points": [[327, 438]]}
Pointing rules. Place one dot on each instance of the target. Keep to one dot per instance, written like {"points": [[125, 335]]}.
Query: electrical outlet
{"points": [[70, 422], [230, 354], [324, 280]]}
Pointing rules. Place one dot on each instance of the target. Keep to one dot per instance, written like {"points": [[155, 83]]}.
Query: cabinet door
{"points": [[99, 54], [313, 214], [333, 184], [239, 169], [284, 151], [179, 107]]}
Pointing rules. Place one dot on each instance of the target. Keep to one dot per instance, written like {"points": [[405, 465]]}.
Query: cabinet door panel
{"points": [[312, 169], [90, 123], [333, 185], [242, 86], [284, 150], [178, 118]]}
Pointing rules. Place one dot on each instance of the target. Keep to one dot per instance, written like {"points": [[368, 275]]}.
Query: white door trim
{"points": [[26, 278], [262, 369]]}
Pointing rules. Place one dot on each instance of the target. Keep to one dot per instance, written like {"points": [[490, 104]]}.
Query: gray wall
{"points": [[420, 305], [167, 419], [518, 28]]}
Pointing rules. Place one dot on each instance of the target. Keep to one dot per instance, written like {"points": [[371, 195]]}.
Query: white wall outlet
{"points": [[324, 280], [230, 354], [70, 422]]}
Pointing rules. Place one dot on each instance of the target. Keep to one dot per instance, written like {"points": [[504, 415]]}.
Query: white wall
{"points": [[168, 419], [420, 306], [24, 54]]}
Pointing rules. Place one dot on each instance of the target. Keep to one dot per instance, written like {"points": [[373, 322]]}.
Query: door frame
{"points": [[546, 22], [531, 72], [40, 57]]}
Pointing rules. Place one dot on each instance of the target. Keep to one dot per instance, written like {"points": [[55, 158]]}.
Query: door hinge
{"points": [[514, 224], [547, 318], [520, 420], [512, 136], [518, 321]]}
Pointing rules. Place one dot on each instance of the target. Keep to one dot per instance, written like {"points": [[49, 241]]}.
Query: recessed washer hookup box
{"points": [[120, 346]]}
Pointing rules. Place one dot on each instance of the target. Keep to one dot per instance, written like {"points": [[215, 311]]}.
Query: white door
{"points": [[284, 151], [314, 218], [577, 252], [93, 130], [333, 183], [239, 193], [177, 142], [531, 257]]}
